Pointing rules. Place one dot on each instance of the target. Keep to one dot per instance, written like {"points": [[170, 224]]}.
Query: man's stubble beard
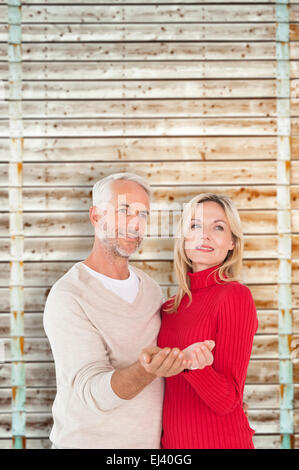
{"points": [[112, 247]]}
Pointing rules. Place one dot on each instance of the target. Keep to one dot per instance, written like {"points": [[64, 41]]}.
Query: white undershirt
{"points": [[127, 289]]}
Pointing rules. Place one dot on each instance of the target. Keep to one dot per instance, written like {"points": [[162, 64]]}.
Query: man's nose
{"points": [[133, 222]]}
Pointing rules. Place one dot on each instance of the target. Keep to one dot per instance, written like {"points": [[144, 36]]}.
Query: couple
{"points": [[133, 372]]}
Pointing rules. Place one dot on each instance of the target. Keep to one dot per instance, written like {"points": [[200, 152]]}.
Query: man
{"points": [[100, 317]]}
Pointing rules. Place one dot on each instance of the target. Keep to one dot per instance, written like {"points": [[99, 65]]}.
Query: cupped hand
{"points": [[164, 362]]}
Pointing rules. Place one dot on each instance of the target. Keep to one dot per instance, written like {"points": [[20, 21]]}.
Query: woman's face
{"points": [[209, 237]]}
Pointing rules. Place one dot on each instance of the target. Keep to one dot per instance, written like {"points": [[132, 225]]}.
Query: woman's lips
{"points": [[206, 249]]}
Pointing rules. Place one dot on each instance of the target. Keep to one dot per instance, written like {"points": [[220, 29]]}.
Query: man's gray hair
{"points": [[101, 191]]}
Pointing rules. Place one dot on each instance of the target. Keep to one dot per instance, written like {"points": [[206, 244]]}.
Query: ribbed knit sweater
{"points": [[203, 407]]}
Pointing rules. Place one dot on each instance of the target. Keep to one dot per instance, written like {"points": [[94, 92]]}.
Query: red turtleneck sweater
{"points": [[203, 408]]}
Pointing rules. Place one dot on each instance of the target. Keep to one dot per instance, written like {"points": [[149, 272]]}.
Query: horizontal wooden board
{"points": [[140, 2], [41, 399], [150, 51], [141, 108], [78, 199], [148, 13], [143, 51], [188, 70], [271, 441], [42, 374], [33, 322], [35, 298], [152, 248], [37, 224], [263, 274], [67, 89], [187, 173], [146, 32], [153, 148], [39, 425], [146, 127], [38, 349]]}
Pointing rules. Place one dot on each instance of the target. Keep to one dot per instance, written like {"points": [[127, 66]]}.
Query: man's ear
{"points": [[93, 215]]}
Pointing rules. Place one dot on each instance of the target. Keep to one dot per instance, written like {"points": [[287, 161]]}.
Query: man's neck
{"points": [[103, 262]]}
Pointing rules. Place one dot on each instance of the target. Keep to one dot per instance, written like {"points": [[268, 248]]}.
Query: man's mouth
{"points": [[129, 236]]}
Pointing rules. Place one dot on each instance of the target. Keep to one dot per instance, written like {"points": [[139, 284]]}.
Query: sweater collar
{"points": [[204, 278]]}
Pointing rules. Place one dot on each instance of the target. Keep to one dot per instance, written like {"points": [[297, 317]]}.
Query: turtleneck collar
{"points": [[204, 278]]}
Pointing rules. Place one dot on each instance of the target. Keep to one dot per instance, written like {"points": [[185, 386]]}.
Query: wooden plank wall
{"points": [[182, 93]]}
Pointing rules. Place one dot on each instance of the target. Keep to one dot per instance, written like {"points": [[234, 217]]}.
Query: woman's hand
{"points": [[200, 354], [163, 362]]}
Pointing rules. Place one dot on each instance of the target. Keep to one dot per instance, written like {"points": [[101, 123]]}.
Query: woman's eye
{"points": [[195, 226], [220, 226]]}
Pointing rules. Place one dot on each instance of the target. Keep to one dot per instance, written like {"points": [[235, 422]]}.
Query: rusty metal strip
{"points": [[16, 226], [284, 226]]}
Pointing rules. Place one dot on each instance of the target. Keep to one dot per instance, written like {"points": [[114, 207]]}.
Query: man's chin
{"points": [[126, 252]]}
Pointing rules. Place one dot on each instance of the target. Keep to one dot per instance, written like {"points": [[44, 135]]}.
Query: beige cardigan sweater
{"points": [[93, 331]]}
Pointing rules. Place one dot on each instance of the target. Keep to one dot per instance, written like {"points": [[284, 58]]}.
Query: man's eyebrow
{"points": [[127, 205]]}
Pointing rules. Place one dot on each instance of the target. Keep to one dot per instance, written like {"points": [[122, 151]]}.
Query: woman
{"points": [[203, 407]]}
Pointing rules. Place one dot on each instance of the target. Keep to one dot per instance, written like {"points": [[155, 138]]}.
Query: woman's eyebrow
{"points": [[216, 220]]}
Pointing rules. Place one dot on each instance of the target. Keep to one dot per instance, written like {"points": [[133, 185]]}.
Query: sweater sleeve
{"points": [[221, 384], [81, 359]]}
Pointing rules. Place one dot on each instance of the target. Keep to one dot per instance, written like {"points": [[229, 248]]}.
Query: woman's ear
{"points": [[232, 245]]}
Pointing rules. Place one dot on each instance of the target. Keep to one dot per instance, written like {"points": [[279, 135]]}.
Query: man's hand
{"points": [[163, 362], [245, 408]]}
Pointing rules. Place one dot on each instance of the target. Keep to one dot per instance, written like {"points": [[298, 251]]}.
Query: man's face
{"points": [[122, 222]]}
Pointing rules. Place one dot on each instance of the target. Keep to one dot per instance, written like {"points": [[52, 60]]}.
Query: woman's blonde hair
{"points": [[229, 270]]}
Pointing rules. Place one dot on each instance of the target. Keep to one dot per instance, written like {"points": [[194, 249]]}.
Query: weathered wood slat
{"points": [[260, 371], [147, 89], [187, 173], [272, 441], [149, 13], [148, 32], [48, 88], [151, 51], [148, 127], [35, 298], [148, 108], [75, 199], [263, 274], [39, 425], [268, 319], [151, 70], [142, 108], [38, 349], [140, 149], [77, 248], [78, 223], [41, 399], [139, 2], [294, 31]]}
